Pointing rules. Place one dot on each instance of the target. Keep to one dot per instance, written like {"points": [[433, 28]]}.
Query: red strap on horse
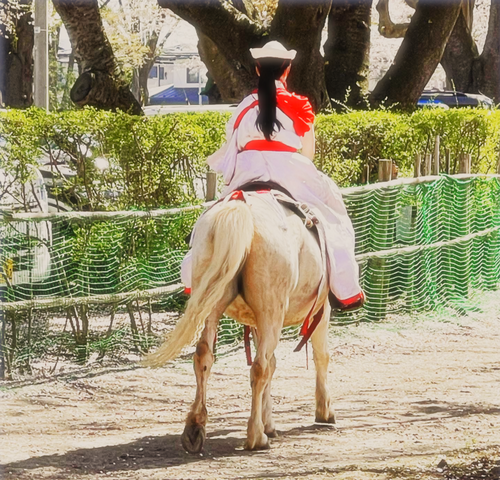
{"points": [[309, 329]]}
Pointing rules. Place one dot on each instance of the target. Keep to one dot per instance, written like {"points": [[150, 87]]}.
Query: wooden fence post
{"points": [[365, 176], [416, 165], [428, 164], [384, 170], [447, 156], [464, 163], [435, 160], [211, 186]]}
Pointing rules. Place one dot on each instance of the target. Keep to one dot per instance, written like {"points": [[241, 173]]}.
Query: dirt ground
{"points": [[415, 398]]}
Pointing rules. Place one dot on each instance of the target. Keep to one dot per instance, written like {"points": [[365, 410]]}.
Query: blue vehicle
{"points": [[451, 99]]}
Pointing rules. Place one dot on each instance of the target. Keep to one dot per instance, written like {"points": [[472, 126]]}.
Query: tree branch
{"points": [[386, 27]]}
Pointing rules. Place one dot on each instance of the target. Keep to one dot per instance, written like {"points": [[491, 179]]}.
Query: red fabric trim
{"points": [[243, 113], [237, 195], [352, 300], [268, 146]]}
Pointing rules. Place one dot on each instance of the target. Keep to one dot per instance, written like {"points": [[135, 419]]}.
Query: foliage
{"points": [[131, 28], [10, 12], [154, 162], [148, 162], [347, 142]]}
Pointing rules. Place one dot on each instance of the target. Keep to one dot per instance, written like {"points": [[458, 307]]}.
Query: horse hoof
{"points": [[193, 438], [272, 434], [330, 419], [262, 445]]}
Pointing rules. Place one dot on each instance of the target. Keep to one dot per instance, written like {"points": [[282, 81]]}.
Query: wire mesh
{"points": [[428, 244]]}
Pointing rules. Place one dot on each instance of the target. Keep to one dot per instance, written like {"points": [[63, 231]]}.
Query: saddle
{"points": [[283, 196]]}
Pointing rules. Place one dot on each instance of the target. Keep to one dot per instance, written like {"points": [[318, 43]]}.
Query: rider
{"points": [[265, 134]]}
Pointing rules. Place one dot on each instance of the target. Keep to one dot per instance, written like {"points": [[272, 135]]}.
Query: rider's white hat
{"points": [[273, 49]]}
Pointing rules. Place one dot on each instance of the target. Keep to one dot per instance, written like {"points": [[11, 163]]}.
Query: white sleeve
{"points": [[216, 160], [224, 160]]}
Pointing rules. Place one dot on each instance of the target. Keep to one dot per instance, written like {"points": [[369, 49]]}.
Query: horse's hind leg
{"points": [[267, 403], [319, 340], [260, 377], [193, 437]]}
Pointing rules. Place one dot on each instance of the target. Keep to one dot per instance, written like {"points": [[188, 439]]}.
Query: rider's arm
{"points": [[309, 143]]}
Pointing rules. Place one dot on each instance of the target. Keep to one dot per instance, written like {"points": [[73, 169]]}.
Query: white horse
{"points": [[262, 267]]}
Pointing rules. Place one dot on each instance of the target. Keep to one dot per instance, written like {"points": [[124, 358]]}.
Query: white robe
{"points": [[297, 174]]}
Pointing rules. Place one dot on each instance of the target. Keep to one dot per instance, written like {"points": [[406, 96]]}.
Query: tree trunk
{"points": [[65, 101], [299, 25], [4, 57], [54, 71], [488, 69], [419, 54], [461, 52], [143, 71], [466, 70], [233, 33], [135, 86], [101, 83], [19, 72], [347, 53], [231, 87]]}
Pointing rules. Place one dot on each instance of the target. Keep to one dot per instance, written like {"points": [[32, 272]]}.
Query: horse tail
{"points": [[226, 232]]}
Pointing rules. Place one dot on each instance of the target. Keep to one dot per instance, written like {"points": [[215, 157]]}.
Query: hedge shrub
{"points": [[160, 161]]}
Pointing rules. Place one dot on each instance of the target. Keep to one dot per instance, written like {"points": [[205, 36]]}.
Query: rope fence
{"points": [[427, 243]]}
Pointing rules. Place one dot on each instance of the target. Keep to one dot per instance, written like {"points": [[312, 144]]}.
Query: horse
{"points": [[264, 268]]}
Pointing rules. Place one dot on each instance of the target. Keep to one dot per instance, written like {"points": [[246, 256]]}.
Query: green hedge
{"points": [[154, 162], [160, 161], [346, 142]]}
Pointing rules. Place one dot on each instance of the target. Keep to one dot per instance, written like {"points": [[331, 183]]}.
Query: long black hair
{"points": [[270, 70]]}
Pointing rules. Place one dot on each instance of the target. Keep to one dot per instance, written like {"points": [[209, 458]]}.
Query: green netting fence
{"points": [[430, 243]]}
